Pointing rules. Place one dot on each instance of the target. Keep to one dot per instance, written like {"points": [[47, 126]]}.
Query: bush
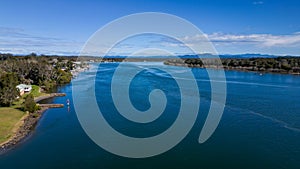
{"points": [[29, 104], [8, 90], [48, 85], [65, 77]]}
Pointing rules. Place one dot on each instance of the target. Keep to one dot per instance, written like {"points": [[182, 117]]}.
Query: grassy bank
{"points": [[9, 122], [10, 117]]}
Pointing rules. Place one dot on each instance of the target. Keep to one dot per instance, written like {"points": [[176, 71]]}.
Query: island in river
{"points": [[256, 63], [284, 65]]}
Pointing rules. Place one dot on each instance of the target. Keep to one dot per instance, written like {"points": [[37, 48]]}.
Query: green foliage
{"points": [[35, 91], [64, 77], [9, 118], [194, 62], [286, 67], [279, 64], [29, 104], [47, 85], [8, 90], [45, 71]]}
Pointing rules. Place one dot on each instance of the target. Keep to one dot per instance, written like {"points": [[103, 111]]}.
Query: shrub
{"points": [[29, 104]]}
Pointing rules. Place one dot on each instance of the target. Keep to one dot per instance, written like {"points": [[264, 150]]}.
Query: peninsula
{"points": [[24, 81], [283, 65]]}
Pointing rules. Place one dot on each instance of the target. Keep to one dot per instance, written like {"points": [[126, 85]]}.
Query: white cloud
{"points": [[17, 41], [264, 40], [288, 44]]}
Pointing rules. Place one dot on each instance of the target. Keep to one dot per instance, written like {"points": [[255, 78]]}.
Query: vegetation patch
{"points": [[9, 118]]}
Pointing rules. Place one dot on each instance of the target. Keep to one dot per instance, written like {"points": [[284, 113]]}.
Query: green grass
{"points": [[9, 117], [36, 91]]}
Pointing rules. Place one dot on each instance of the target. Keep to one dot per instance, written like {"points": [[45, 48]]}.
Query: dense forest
{"points": [[290, 65], [44, 71]]}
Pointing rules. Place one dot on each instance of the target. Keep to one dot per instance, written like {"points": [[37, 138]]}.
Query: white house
{"points": [[23, 88]]}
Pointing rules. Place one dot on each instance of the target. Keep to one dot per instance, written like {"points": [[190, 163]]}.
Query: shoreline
{"points": [[241, 69], [48, 96], [16, 128], [26, 125]]}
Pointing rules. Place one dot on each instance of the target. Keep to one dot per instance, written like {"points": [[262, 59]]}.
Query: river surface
{"points": [[260, 127]]}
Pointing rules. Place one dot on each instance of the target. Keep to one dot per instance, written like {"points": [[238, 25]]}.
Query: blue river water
{"points": [[260, 127]]}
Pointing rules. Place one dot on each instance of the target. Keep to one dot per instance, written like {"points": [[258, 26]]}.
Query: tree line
{"points": [[290, 65], [44, 71]]}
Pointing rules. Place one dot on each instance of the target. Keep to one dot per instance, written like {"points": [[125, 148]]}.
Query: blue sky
{"points": [[233, 26]]}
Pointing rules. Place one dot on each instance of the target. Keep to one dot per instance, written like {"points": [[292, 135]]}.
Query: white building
{"points": [[23, 88]]}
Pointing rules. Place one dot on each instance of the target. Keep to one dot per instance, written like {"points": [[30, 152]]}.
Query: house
{"points": [[23, 88]]}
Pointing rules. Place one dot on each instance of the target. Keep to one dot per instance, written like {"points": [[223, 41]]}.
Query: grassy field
{"points": [[36, 91], [9, 118]]}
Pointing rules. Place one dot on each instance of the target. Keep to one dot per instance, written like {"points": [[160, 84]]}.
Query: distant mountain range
{"points": [[207, 55], [238, 56], [248, 55]]}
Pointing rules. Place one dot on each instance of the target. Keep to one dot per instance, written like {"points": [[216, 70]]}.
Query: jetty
{"points": [[51, 105], [29, 121], [49, 96]]}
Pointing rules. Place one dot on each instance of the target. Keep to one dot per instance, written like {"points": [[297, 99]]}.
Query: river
{"points": [[260, 127]]}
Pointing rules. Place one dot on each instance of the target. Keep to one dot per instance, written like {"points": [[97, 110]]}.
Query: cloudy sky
{"points": [[233, 26]]}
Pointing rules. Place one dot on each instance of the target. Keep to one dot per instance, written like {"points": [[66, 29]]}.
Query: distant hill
{"points": [[207, 55], [237, 56]]}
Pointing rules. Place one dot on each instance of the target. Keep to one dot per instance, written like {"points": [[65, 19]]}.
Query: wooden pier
{"points": [[49, 96], [46, 106], [51, 105]]}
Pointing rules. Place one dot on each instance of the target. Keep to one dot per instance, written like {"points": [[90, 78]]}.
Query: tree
{"points": [[8, 90], [29, 104], [64, 77]]}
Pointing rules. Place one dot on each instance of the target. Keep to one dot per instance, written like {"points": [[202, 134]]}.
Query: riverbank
{"points": [[9, 118], [26, 124], [280, 65], [22, 129], [47, 96]]}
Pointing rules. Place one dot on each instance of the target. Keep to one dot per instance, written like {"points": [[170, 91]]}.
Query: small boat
{"points": [[68, 102]]}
